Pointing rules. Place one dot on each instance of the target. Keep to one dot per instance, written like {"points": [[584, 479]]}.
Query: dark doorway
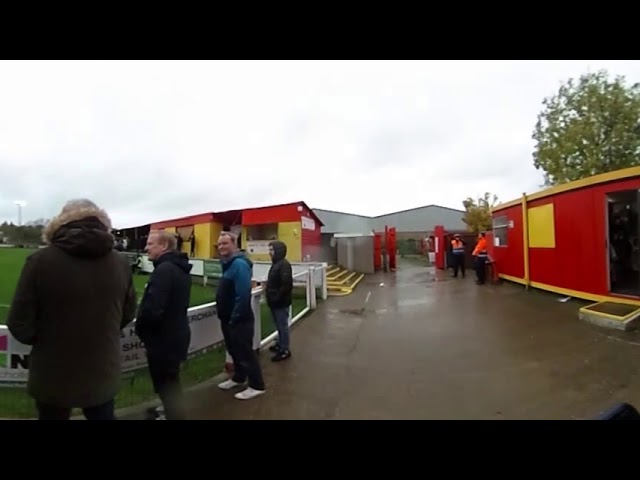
{"points": [[470, 240], [623, 242]]}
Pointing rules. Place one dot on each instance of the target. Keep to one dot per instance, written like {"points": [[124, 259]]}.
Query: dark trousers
{"points": [[165, 375], [99, 412], [481, 269], [458, 264], [238, 339], [281, 319]]}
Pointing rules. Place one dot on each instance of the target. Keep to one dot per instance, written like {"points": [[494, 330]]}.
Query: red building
{"points": [[580, 239], [293, 223]]}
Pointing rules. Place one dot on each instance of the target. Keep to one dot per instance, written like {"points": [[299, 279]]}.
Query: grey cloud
{"points": [[155, 140]]}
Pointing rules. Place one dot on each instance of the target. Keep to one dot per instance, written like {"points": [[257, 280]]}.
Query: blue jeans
{"points": [[281, 319]]}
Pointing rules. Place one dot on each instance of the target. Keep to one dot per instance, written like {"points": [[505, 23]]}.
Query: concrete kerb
{"points": [[601, 321]]}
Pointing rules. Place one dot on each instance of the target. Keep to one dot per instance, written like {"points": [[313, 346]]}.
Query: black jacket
{"points": [[162, 322], [280, 278]]}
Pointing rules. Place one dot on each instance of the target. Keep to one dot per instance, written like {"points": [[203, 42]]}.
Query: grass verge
{"points": [[136, 387]]}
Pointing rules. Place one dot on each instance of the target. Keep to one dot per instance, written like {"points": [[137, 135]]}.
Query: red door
{"points": [[377, 251], [391, 248], [440, 246]]}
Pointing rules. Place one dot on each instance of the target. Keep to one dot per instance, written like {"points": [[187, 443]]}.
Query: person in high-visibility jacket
{"points": [[482, 255], [457, 257]]}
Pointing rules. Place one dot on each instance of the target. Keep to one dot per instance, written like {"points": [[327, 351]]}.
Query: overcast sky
{"points": [[155, 140]]}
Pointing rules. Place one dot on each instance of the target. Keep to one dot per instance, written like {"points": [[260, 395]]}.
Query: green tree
{"points": [[477, 213], [28, 234], [590, 126]]}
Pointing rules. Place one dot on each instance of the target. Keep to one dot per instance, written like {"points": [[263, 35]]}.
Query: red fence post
{"points": [[440, 247], [391, 248]]}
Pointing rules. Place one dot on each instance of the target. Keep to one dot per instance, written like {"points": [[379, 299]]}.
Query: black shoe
{"points": [[274, 348], [278, 357]]}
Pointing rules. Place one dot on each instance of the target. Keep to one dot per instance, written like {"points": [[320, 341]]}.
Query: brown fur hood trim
{"points": [[73, 216]]}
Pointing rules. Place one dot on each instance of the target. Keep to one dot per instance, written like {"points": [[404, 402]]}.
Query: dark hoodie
{"points": [[72, 300], [280, 278], [162, 322], [233, 298]]}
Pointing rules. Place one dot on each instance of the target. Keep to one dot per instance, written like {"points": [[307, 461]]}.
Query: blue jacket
{"points": [[233, 298]]}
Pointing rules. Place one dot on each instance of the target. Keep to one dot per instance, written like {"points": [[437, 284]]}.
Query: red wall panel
{"points": [[311, 239], [510, 258], [578, 261], [276, 214]]}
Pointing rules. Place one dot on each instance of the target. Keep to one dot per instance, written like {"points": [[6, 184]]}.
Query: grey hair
{"points": [[74, 210], [79, 204], [166, 238], [232, 236]]}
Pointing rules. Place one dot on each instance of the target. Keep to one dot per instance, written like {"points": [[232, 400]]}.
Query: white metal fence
{"points": [[260, 269], [205, 330]]}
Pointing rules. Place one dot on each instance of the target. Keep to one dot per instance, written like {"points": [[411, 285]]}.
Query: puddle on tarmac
{"points": [[413, 302]]}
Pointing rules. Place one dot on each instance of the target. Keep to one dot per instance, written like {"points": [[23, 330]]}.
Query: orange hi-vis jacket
{"points": [[457, 247], [481, 248]]}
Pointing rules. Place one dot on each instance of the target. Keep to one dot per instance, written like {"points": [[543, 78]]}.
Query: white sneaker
{"points": [[248, 394], [228, 384]]}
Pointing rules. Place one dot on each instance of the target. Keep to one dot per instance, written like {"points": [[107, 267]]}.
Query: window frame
{"points": [[501, 230]]}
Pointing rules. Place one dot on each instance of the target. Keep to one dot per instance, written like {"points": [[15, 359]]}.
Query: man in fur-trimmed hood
{"points": [[72, 300]]}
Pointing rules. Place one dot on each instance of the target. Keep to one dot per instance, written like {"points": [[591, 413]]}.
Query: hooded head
{"points": [[277, 250], [82, 229]]}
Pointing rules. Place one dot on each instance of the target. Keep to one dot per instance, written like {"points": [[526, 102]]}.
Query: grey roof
{"points": [[421, 219], [338, 222]]}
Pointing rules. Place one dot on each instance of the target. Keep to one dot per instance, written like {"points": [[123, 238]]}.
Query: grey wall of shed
{"points": [[328, 253], [362, 254]]}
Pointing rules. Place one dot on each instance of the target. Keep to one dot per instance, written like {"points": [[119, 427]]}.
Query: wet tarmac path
{"points": [[427, 346]]}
